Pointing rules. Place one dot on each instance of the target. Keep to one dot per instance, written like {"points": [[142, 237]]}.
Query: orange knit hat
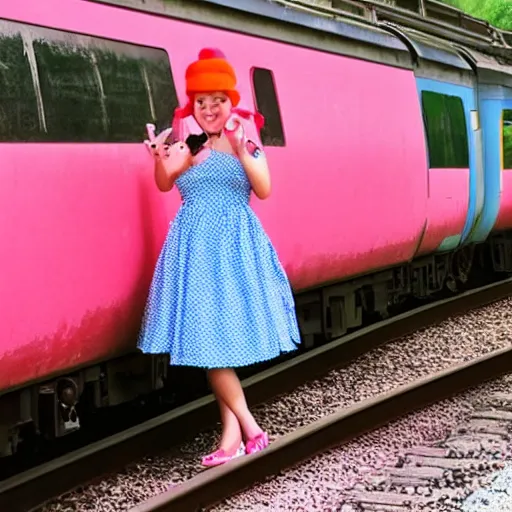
{"points": [[212, 72]]}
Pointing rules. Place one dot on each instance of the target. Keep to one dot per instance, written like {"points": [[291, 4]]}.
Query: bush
{"points": [[496, 12], [507, 147]]}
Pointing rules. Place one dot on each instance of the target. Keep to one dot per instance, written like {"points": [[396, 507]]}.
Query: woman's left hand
{"points": [[251, 157], [235, 133]]}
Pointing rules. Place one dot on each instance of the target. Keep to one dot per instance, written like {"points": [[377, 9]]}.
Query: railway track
{"points": [[28, 490], [437, 475]]}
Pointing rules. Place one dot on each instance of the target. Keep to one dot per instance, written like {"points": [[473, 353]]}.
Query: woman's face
{"points": [[211, 110]]}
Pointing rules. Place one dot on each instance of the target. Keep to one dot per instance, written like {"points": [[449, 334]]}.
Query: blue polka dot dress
{"points": [[219, 296]]}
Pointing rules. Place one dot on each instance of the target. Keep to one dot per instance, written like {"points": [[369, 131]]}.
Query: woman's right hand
{"points": [[170, 161], [156, 144], [175, 159]]}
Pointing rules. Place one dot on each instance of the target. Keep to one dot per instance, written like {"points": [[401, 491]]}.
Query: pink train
{"points": [[387, 135]]}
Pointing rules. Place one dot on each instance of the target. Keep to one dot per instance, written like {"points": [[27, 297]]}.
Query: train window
{"points": [[19, 118], [70, 92], [507, 139], [267, 104], [446, 129], [65, 87]]}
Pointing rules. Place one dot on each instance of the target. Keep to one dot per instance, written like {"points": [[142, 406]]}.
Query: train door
{"points": [[504, 104], [446, 90], [447, 110], [495, 112]]}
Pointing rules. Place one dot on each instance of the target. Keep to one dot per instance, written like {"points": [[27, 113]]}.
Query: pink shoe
{"points": [[219, 457], [257, 443]]}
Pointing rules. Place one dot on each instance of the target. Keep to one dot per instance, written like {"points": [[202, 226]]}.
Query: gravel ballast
{"points": [[399, 362]]}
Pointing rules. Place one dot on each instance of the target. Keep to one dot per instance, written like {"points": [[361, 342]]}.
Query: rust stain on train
{"points": [[102, 333], [329, 268]]}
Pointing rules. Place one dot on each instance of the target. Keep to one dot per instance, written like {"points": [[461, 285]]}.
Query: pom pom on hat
{"points": [[211, 53]]}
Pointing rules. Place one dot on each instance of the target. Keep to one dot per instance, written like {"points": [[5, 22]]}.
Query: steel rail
{"points": [[218, 483], [27, 490]]}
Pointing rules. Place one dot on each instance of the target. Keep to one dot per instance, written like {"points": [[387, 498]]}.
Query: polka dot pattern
{"points": [[219, 297]]}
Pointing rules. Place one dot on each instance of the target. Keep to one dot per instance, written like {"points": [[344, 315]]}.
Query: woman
{"points": [[219, 298]]}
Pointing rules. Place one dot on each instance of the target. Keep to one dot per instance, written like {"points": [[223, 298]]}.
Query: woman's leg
{"points": [[227, 389], [231, 433]]}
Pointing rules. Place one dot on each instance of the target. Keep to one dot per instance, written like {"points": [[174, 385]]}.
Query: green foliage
{"points": [[507, 147], [496, 12]]}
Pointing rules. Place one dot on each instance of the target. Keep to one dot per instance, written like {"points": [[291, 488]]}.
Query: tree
{"points": [[496, 12]]}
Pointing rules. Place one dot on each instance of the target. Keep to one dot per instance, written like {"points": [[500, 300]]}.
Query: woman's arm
{"points": [[164, 182], [164, 178], [256, 168], [252, 158]]}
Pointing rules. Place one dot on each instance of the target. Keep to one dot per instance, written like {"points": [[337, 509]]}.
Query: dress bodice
{"points": [[217, 180]]}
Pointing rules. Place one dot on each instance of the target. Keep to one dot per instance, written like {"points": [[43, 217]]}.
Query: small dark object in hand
{"points": [[196, 142]]}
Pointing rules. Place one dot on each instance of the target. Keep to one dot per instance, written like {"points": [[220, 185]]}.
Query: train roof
{"points": [[367, 29]]}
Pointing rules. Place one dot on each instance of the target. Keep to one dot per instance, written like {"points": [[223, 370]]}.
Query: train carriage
{"points": [[372, 139]]}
